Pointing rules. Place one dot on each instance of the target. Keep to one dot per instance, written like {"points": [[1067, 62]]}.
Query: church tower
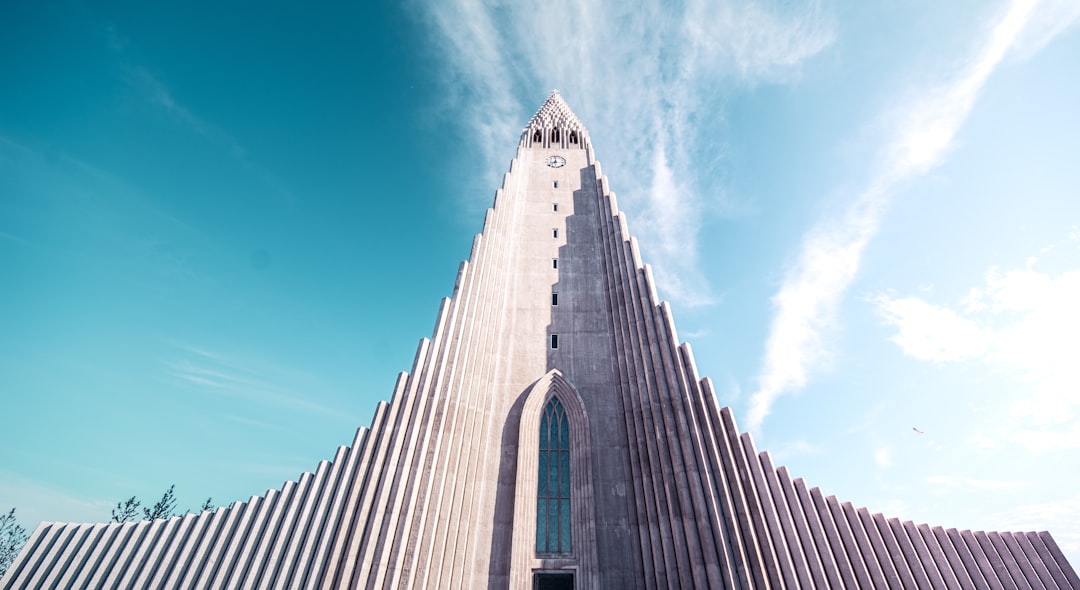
{"points": [[551, 434]]}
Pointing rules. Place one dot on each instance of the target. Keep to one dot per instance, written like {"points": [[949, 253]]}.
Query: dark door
{"points": [[553, 582]]}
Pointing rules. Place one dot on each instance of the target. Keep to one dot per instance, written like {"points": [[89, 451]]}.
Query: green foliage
{"points": [[12, 538], [126, 510], [164, 508]]}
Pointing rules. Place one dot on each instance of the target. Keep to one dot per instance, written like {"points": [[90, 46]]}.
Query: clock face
{"points": [[556, 161]]}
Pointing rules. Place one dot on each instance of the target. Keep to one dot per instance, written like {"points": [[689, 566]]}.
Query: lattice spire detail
{"points": [[555, 116]]}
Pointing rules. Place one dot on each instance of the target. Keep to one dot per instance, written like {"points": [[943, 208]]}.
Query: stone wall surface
{"points": [[440, 491]]}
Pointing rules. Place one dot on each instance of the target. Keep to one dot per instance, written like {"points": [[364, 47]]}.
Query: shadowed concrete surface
{"points": [[450, 486]]}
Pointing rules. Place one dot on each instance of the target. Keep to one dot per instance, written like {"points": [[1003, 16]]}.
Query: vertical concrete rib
{"points": [[680, 427], [132, 566], [1021, 559], [682, 531], [971, 566], [694, 461], [922, 552], [996, 560], [648, 534], [239, 570], [331, 546], [988, 570], [353, 532], [463, 356], [1033, 557], [863, 546], [153, 550], [219, 562], [660, 520], [76, 570], [46, 576], [109, 556], [820, 537], [937, 554], [189, 538], [648, 531], [803, 536], [202, 535], [847, 544], [787, 536], [1045, 544], [735, 466], [169, 552], [910, 553], [280, 535], [209, 556], [883, 557], [956, 563], [895, 551], [473, 361], [1008, 560], [327, 513], [440, 438], [124, 562], [832, 536], [301, 538], [31, 553], [771, 521], [718, 511], [35, 569]]}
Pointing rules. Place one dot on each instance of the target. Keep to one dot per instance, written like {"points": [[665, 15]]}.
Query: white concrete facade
{"points": [[441, 490]]}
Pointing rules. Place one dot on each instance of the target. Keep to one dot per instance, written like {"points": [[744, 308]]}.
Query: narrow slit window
{"points": [[554, 298], [554, 263], [554, 232], [555, 184], [554, 340], [555, 207]]}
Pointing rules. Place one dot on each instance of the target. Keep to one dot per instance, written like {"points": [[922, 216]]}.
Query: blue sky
{"points": [[224, 228]]}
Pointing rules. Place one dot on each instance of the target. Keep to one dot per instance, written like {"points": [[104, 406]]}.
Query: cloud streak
{"points": [[830, 254], [253, 382], [644, 73], [1022, 322]]}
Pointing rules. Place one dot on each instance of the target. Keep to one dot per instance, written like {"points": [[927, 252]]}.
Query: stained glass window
{"points": [[553, 481]]}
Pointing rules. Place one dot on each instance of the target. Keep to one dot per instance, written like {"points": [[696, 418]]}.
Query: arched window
{"points": [[553, 483], [537, 137], [573, 137], [555, 135]]}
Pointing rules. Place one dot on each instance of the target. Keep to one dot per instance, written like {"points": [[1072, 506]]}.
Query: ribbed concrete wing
{"points": [[447, 488]]}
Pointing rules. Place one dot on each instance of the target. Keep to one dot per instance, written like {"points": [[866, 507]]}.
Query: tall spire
{"points": [[555, 125]]}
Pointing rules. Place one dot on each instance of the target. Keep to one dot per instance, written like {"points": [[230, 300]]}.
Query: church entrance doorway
{"points": [[553, 582]]}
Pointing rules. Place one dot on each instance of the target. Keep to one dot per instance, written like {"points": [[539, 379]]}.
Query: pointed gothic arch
{"points": [[581, 557]]}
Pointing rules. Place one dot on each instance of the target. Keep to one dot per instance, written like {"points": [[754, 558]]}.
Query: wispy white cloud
{"points": [[14, 238], [933, 333], [254, 382], [645, 73], [785, 452], [29, 495], [883, 457], [1022, 322], [1061, 518], [953, 482], [158, 93], [829, 258]]}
